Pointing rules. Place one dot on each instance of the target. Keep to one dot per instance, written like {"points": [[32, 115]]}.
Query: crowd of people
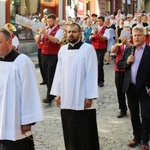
{"points": [[110, 36], [71, 55]]}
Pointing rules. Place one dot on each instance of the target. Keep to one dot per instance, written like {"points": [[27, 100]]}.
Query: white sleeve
{"points": [[31, 107], [91, 74], [107, 34], [56, 86], [59, 35], [15, 42]]}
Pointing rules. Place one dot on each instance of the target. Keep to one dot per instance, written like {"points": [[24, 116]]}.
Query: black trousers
{"points": [[23, 144], [140, 123], [100, 57], [40, 64], [49, 63], [119, 80], [80, 129]]}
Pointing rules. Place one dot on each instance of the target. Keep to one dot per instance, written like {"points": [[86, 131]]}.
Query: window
{"points": [[28, 9]]}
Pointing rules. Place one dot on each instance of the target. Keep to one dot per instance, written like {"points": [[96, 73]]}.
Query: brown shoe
{"points": [[133, 143], [145, 147]]}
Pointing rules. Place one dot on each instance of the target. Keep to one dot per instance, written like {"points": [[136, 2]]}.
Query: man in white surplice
{"points": [[75, 87], [20, 105]]}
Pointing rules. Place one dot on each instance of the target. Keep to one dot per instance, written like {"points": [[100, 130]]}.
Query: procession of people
{"points": [[72, 54]]}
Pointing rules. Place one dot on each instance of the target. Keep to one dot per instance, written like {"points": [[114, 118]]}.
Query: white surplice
{"points": [[76, 77], [20, 102]]}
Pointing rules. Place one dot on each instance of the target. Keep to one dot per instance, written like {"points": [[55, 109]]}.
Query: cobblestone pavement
{"points": [[114, 133]]}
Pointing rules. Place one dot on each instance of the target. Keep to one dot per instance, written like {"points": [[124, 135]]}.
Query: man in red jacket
{"points": [[119, 74], [99, 43], [51, 39]]}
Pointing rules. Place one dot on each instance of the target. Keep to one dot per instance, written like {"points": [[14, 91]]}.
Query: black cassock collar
{"points": [[11, 56], [76, 46]]}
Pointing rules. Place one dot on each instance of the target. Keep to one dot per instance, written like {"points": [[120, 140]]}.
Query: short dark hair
{"points": [[75, 24], [101, 17], [87, 15], [6, 33], [94, 15], [51, 16], [78, 18]]}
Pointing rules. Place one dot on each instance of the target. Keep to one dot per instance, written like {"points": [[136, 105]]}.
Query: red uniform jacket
{"points": [[48, 46], [97, 43], [118, 56]]}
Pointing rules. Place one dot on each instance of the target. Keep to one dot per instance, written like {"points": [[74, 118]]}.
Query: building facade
{"points": [[2, 13], [65, 8], [126, 6], [62, 9]]}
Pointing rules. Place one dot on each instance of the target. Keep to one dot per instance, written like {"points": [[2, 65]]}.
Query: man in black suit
{"points": [[136, 61]]}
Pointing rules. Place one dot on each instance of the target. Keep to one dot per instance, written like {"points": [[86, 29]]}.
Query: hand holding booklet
{"points": [[125, 34]]}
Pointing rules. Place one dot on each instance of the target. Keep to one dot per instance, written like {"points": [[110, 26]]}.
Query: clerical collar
{"points": [[2, 58], [11, 56], [76, 45]]}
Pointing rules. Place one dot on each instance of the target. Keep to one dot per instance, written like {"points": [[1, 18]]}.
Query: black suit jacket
{"points": [[143, 73]]}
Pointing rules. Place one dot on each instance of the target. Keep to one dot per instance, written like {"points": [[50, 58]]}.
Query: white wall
{"points": [[33, 6], [60, 9], [2, 13], [98, 11], [139, 5]]}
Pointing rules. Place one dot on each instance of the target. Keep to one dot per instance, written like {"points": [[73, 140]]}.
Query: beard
{"points": [[72, 40], [51, 25]]}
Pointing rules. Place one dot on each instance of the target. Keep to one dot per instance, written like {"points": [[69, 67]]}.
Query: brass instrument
{"points": [[44, 19], [148, 31], [64, 41], [10, 27], [119, 41], [37, 33]]}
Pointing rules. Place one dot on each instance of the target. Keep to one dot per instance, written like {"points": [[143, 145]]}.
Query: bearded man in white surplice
{"points": [[75, 85]]}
